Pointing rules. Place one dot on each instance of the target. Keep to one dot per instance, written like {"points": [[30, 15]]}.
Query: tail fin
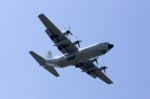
{"points": [[48, 55], [42, 62]]}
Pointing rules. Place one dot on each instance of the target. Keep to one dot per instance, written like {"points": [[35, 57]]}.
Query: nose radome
{"points": [[110, 46]]}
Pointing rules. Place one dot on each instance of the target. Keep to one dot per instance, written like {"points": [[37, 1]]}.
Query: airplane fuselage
{"points": [[81, 56]]}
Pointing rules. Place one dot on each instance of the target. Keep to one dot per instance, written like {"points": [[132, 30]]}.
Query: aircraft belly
{"points": [[89, 53], [81, 56]]}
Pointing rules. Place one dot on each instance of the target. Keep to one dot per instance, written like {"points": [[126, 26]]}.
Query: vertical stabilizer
{"points": [[48, 55]]}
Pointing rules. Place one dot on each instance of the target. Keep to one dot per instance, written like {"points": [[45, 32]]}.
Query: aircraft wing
{"points": [[60, 40], [91, 69]]}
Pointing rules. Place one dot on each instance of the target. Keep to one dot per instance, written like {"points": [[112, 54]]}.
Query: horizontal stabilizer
{"points": [[38, 58], [52, 70], [42, 62]]}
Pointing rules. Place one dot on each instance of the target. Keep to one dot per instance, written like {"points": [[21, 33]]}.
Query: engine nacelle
{"points": [[67, 32], [64, 32]]}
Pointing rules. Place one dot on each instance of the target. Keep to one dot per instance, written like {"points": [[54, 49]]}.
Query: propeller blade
{"points": [[96, 61], [103, 68], [79, 43], [68, 32]]}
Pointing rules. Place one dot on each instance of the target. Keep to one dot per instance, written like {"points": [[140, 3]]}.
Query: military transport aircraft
{"points": [[82, 58]]}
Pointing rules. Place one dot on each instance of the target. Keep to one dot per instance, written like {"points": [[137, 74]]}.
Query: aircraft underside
{"points": [[84, 58]]}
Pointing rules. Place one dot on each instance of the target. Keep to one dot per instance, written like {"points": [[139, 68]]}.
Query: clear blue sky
{"points": [[125, 23]]}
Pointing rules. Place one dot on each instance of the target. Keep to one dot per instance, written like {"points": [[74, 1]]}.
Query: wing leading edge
{"points": [[91, 69], [60, 40]]}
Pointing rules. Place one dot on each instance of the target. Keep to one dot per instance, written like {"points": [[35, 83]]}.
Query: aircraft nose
{"points": [[110, 46]]}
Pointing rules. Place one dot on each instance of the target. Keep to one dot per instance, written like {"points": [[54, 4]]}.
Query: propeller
{"points": [[103, 68], [95, 60], [68, 32], [78, 42]]}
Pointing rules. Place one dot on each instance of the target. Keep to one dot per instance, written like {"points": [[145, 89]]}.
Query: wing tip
{"points": [[30, 52], [57, 75], [111, 83], [41, 15]]}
